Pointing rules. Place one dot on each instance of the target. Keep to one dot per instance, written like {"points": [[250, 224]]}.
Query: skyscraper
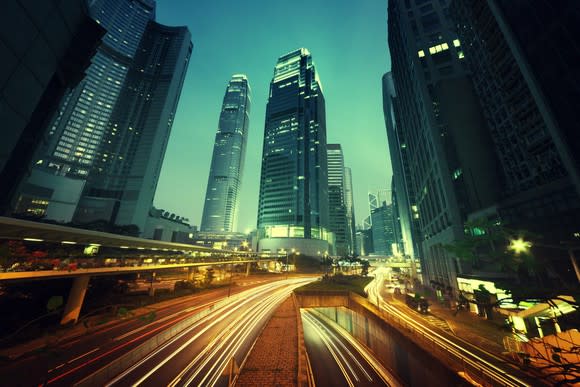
{"points": [[349, 204], [382, 229], [123, 178], [293, 203], [79, 127], [336, 198], [399, 241], [401, 173], [451, 166], [523, 61], [225, 175], [45, 52]]}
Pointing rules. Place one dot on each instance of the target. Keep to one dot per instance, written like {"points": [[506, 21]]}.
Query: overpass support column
{"points": [[152, 287], [190, 273], [75, 300], [248, 266]]}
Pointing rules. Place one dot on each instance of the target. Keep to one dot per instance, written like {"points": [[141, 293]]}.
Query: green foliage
{"points": [[54, 303], [209, 276], [485, 244], [339, 282], [149, 317], [365, 267]]}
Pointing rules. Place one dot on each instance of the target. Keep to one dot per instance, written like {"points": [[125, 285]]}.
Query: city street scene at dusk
{"points": [[307, 193]]}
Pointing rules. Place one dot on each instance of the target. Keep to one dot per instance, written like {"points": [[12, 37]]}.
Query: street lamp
{"points": [[519, 246]]}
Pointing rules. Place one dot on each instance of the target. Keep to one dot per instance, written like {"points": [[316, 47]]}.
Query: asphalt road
{"points": [[71, 360], [337, 359], [200, 355]]}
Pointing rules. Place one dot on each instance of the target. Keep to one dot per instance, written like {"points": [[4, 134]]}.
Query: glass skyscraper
{"points": [[82, 121], [336, 198], [293, 203], [349, 204], [77, 130], [123, 179], [222, 196]]}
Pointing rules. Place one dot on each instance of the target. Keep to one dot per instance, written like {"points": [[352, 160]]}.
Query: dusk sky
{"points": [[348, 43]]}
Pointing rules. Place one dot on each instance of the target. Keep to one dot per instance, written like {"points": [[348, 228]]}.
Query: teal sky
{"points": [[348, 43]]}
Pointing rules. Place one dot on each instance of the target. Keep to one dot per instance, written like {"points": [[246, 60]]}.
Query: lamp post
{"points": [[521, 246]]}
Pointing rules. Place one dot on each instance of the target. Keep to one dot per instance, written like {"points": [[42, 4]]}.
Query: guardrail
{"points": [[471, 365], [117, 366]]}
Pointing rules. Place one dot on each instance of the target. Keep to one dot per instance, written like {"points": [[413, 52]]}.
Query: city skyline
{"points": [[362, 48]]}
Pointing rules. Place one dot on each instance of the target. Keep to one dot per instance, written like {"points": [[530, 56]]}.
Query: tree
{"points": [[326, 264], [365, 267], [209, 276]]}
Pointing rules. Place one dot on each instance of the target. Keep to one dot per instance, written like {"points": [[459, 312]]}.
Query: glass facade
{"points": [[81, 123], [400, 164], [124, 176], [225, 175], [349, 204], [293, 185], [336, 198]]}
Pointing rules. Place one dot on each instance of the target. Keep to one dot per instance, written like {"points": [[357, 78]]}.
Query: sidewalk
{"points": [[274, 359]]}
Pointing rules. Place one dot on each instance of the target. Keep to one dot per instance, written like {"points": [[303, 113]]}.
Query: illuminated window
{"points": [[460, 55], [432, 50], [445, 46], [421, 53], [456, 42]]}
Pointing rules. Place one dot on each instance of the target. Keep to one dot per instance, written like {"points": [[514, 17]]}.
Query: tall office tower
{"points": [[382, 229], [524, 61], [225, 175], [375, 199], [77, 130], [452, 167], [336, 198], [398, 240], [123, 179], [45, 52], [293, 203], [401, 172], [349, 205]]}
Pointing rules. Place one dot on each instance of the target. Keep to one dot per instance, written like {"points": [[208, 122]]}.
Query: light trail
{"points": [[237, 336], [182, 334], [226, 343], [338, 356], [497, 374], [379, 369]]}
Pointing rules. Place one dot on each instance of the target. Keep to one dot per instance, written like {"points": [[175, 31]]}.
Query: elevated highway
{"points": [[91, 248]]}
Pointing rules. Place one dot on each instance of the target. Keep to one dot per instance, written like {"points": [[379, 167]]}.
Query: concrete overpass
{"points": [[45, 234]]}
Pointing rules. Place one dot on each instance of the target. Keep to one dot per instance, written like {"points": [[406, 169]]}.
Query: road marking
{"points": [[83, 355]]}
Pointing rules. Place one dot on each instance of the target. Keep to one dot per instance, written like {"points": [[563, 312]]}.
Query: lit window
{"points": [[421, 53], [460, 55], [432, 50], [456, 42], [445, 46]]}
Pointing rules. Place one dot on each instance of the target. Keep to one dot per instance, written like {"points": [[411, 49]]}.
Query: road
{"points": [[337, 359], [74, 359], [493, 367], [200, 354]]}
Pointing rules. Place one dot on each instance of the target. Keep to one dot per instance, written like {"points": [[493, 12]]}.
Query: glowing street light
{"points": [[519, 246]]}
